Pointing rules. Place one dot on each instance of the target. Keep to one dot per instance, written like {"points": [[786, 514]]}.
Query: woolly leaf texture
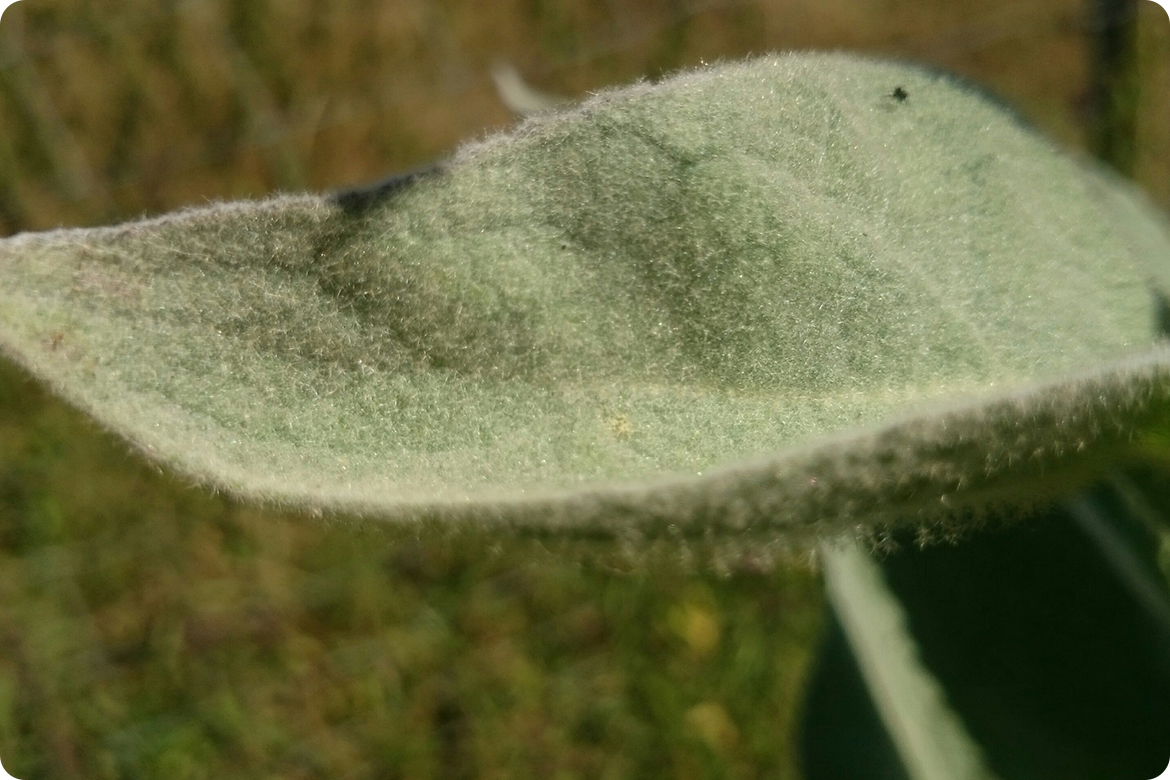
{"points": [[805, 291]]}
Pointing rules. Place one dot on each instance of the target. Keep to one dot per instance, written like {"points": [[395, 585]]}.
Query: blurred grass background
{"points": [[150, 630]]}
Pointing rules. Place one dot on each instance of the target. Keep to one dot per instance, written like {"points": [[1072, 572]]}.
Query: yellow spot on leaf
{"points": [[619, 425]]}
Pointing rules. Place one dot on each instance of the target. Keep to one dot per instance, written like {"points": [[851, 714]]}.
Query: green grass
{"points": [[155, 631]]}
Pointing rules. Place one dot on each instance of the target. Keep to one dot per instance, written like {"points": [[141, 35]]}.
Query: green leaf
{"points": [[767, 295], [929, 736]]}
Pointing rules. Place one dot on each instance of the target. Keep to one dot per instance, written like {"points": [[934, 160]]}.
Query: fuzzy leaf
{"points": [[767, 294]]}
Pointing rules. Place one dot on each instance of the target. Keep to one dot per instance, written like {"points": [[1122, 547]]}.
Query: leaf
{"points": [[929, 737], [756, 297], [1047, 643]]}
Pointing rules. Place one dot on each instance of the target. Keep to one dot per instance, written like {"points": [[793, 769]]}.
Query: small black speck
{"points": [[899, 94]]}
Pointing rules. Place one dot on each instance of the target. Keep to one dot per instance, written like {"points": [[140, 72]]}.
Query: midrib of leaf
{"points": [[928, 735]]}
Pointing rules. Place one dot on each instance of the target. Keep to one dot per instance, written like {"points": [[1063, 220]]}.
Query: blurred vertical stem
{"points": [[75, 179], [12, 209], [1114, 89], [267, 125]]}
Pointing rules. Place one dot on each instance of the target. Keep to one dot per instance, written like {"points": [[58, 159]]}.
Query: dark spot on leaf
{"points": [[360, 200]]}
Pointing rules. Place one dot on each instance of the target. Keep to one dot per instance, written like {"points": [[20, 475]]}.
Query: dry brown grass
{"points": [[108, 110]]}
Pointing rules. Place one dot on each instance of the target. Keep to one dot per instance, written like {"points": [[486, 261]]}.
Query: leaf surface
{"points": [[766, 294]]}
